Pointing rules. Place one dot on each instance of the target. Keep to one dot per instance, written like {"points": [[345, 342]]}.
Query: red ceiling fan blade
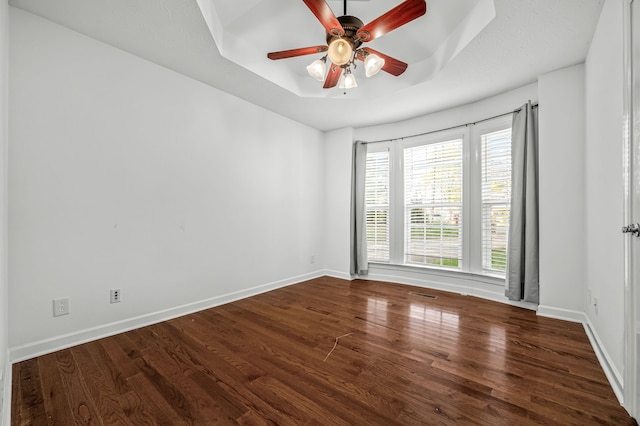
{"points": [[296, 52], [333, 76], [325, 15], [405, 12], [391, 65]]}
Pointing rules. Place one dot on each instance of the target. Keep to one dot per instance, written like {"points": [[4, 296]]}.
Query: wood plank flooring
{"points": [[409, 359]]}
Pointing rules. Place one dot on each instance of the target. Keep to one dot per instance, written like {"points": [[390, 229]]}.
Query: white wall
{"points": [[561, 156], [338, 146], [481, 110], [4, 111], [125, 174], [604, 184]]}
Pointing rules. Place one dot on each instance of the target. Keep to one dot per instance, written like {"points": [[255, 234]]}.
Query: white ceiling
{"points": [[459, 52]]}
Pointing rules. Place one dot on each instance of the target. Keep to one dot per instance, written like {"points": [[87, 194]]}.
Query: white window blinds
{"points": [[433, 204], [496, 199], [377, 206], [441, 199]]}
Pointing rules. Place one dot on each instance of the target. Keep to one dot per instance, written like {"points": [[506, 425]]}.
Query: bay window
{"points": [[441, 200]]}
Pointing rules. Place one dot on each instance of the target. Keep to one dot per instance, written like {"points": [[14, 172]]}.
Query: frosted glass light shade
{"points": [[317, 69], [348, 81], [340, 51], [373, 64]]}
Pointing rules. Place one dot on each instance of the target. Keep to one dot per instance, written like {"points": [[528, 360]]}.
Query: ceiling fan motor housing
{"points": [[351, 25]]}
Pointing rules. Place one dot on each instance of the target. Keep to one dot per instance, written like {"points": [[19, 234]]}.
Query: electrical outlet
{"points": [[312, 259], [61, 307], [115, 295]]}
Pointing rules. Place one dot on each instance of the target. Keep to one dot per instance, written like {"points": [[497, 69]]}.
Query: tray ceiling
{"points": [[525, 38]]}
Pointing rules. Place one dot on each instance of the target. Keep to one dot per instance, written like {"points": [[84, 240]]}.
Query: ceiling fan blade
{"points": [[391, 65], [405, 12], [333, 76], [325, 15], [296, 52]]}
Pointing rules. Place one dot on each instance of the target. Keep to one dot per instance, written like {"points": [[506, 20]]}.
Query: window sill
{"points": [[441, 272]]}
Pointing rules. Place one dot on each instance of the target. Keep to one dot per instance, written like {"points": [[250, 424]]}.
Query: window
{"points": [[441, 200], [377, 206], [433, 203], [496, 198]]}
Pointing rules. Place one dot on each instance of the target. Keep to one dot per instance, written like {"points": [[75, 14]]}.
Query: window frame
{"points": [[375, 149], [431, 139], [479, 129], [495, 231]]}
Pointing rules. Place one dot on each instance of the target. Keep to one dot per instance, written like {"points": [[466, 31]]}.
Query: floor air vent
{"points": [[428, 296]]}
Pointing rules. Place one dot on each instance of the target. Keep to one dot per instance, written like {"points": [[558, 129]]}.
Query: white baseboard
{"points": [[41, 347], [338, 274], [609, 368], [453, 288], [6, 392], [465, 290], [561, 314]]}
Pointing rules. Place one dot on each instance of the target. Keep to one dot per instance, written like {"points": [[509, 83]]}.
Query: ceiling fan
{"points": [[345, 35]]}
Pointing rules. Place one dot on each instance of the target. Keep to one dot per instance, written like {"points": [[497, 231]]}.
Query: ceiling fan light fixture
{"points": [[345, 35], [318, 68], [340, 51], [373, 64], [348, 80]]}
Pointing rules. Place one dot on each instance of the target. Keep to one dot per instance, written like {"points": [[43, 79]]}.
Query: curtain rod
{"points": [[449, 128]]}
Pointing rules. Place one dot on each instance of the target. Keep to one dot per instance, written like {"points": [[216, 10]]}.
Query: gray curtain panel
{"points": [[359, 260], [522, 280]]}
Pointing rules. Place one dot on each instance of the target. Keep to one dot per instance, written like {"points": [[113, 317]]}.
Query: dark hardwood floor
{"points": [[409, 359]]}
